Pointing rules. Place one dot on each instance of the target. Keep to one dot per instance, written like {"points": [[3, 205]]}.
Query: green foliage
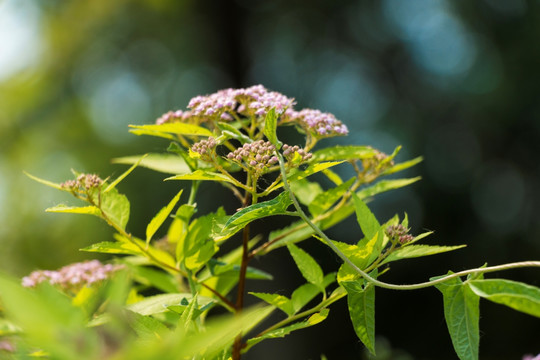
{"points": [[462, 314], [156, 300]]}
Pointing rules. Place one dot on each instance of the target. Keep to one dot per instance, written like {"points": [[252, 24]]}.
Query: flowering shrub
{"points": [[154, 302]]}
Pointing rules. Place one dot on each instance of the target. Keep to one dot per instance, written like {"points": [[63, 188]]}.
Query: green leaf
{"points": [[89, 210], [116, 208], [324, 200], [165, 163], [305, 293], [276, 206], [385, 185], [202, 175], [146, 327], [462, 314], [282, 332], [175, 128], [160, 217], [333, 177], [517, 295], [197, 247], [305, 191], [281, 302], [232, 132], [362, 255], [361, 304], [402, 166], [367, 221], [123, 176], [314, 167], [413, 251], [159, 279], [270, 123], [45, 182], [309, 268], [153, 133], [343, 153], [158, 303], [107, 247]]}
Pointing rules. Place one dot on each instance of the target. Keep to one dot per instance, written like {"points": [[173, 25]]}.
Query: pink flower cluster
{"points": [[173, 116], [318, 123], [83, 182], [204, 146], [255, 100], [73, 276], [399, 233], [258, 155]]}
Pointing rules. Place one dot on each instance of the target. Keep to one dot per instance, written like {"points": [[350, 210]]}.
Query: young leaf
{"points": [[165, 163], [281, 302], [232, 132], [158, 303], [146, 327], [115, 207], [462, 314], [282, 332], [160, 217], [324, 200], [385, 185], [305, 293], [343, 153], [89, 210], [362, 255], [361, 303], [313, 168], [270, 123], [126, 173], [45, 182], [202, 175], [413, 251], [367, 221], [517, 295], [309, 268], [305, 191], [175, 128], [277, 205], [402, 166]]}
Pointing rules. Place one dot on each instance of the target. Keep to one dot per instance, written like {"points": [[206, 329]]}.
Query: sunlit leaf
{"points": [[282, 332], [175, 128], [165, 163], [158, 303], [305, 191], [270, 123], [305, 293], [518, 296], [203, 175], [160, 217], [361, 304], [462, 314], [385, 185], [45, 182], [367, 221], [343, 153], [281, 302], [413, 251], [89, 210], [324, 200], [402, 166], [277, 205], [123, 176], [309, 268]]}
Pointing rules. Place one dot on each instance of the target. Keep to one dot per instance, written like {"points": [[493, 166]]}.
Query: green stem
{"points": [[380, 283]]}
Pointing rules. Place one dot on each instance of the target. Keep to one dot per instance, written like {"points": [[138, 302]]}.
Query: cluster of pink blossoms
{"points": [[74, 276], [399, 233], [318, 123], [83, 182], [255, 99]]}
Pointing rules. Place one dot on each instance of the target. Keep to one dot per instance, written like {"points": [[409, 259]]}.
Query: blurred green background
{"points": [[454, 81]]}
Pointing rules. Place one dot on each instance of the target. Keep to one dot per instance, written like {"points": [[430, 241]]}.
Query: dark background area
{"points": [[454, 81]]}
